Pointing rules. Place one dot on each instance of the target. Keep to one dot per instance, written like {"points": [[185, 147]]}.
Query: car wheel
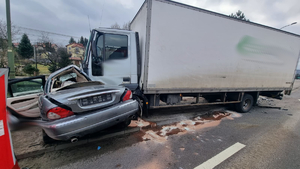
{"points": [[127, 122], [47, 139], [245, 105], [124, 124]]}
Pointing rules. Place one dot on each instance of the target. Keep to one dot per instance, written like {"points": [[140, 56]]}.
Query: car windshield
{"points": [[66, 78]]}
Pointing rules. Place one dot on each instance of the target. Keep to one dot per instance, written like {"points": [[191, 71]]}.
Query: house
{"points": [[76, 60], [77, 52]]}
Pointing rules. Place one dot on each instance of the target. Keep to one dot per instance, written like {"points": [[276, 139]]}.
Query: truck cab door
{"points": [[110, 60], [23, 95]]}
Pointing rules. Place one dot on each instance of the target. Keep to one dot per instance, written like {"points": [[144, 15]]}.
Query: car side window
{"points": [[116, 46], [107, 47], [100, 48], [26, 87]]}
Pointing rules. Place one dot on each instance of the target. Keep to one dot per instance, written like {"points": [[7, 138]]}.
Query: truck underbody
{"points": [[240, 101]]}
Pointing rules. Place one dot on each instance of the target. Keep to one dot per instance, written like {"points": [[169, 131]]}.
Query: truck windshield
{"points": [[107, 47]]}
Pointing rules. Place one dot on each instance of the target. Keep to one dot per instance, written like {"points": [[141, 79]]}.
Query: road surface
{"points": [[262, 138]]}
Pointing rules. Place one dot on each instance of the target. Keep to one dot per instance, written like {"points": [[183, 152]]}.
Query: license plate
{"points": [[96, 99]]}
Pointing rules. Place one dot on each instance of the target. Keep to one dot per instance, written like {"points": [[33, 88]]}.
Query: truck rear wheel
{"points": [[245, 105]]}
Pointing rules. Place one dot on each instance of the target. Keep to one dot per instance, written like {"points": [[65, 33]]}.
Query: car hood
{"points": [[85, 96]]}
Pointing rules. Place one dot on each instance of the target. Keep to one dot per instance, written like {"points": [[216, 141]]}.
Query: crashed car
{"points": [[72, 105]]}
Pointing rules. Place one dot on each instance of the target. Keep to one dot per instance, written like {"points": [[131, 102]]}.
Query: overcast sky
{"points": [[70, 17]]}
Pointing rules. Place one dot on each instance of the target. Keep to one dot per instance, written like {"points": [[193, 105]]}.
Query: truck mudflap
{"points": [[287, 92]]}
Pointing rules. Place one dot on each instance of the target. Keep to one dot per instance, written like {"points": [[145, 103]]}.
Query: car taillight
{"points": [[127, 96], [58, 113]]}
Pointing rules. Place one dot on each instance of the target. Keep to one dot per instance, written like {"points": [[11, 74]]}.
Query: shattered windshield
{"points": [[80, 84]]}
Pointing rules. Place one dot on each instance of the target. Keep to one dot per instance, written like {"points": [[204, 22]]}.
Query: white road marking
{"points": [[222, 156], [299, 99]]}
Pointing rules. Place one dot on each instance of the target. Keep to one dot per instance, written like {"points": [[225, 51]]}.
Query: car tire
{"points": [[245, 105], [47, 139], [127, 122], [124, 124]]}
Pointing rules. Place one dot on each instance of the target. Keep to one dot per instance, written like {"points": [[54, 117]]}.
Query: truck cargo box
{"points": [[188, 50]]}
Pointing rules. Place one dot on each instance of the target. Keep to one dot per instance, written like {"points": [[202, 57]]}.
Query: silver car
{"points": [[72, 105]]}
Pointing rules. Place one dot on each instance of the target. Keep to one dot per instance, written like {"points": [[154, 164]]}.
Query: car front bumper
{"points": [[85, 123]]}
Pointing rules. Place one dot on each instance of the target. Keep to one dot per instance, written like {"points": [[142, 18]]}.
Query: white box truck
{"points": [[175, 50]]}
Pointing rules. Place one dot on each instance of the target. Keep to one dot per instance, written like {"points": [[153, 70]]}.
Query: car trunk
{"points": [[86, 96]]}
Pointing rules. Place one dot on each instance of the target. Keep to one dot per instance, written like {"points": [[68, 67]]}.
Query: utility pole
{"points": [[10, 54], [35, 57]]}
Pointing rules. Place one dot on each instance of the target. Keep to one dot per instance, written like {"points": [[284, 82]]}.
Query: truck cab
{"points": [[111, 57]]}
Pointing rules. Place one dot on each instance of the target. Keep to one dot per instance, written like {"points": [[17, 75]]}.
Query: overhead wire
{"points": [[42, 33], [47, 32]]}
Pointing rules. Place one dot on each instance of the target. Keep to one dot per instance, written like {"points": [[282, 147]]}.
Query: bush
{"points": [[28, 69]]}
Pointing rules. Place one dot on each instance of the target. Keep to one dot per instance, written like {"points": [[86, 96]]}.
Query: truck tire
{"points": [[245, 105]]}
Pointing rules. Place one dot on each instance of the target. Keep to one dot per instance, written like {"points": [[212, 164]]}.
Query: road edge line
{"points": [[222, 156]]}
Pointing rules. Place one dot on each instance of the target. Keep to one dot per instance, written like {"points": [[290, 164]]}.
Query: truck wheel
{"points": [[245, 105], [47, 139]]}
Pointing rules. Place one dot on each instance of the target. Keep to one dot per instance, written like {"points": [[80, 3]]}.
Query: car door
{"points": [[23, 95]]}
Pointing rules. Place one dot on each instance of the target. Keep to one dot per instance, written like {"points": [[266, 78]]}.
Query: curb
{"points": [[80, 142]]}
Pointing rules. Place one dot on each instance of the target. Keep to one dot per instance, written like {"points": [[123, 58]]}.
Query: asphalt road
{"points": [[262, 138]]}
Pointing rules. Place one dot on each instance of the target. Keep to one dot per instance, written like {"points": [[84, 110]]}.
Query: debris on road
{"points": [[263, 101], [140, 123], [160, 134]]}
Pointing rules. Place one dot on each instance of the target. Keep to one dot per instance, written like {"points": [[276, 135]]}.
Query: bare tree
{"points": [[53, 56], [44, 49], [126, 26], [3, 41], [115, 26], [3, 31]]}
